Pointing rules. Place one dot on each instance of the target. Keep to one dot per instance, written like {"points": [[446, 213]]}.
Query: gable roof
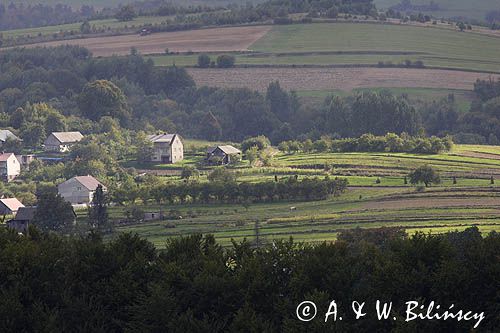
{"points": [[5, 156], [160, 138], [12, 204], [227, 149], [25, 214], [89, 182], [6, 134], [67, 137]]}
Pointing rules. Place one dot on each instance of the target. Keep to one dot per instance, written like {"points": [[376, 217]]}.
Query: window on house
{"points": [[78, 188]]}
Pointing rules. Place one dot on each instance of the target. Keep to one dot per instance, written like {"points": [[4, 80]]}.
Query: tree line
{"points": [[65, 88], [227, 191], [369, 143], [71, 284]]}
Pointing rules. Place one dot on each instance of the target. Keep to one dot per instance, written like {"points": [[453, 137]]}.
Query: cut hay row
{"points": [[346, 79]]}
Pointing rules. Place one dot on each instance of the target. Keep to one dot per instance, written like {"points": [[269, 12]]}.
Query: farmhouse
{"points": [[167, 148], [10, 167], [22, 220], [79, 190], [223, 155], [62, 141], [7, 135], [10, 206]]}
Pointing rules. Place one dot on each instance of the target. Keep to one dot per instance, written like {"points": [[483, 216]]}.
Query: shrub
{"points": [[225, 61], [203, 61]]}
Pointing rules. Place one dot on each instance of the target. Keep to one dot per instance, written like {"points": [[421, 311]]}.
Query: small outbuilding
{"points": [[222, 155], [23, 219], [61, 142]]}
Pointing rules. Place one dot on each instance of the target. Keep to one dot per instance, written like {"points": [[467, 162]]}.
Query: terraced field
{"points": [[473, 200]]}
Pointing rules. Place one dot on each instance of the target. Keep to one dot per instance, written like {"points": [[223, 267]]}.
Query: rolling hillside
{"points": [[377, 197]]}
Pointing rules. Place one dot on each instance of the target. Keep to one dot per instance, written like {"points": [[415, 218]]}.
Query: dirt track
{"points": [[336, 78], [203, 40]]}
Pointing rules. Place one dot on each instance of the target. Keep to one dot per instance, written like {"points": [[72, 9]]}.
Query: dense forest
{"points": [[15, 16], [18, 16], [78, 91], [54, 283]]}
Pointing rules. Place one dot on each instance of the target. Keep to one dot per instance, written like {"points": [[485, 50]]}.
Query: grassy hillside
{"points": [[106, 24], [451, 8], [351, 43], [377, 197], [436, 47]]}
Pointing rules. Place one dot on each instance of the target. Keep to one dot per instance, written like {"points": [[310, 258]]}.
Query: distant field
{"points": [[108, 23], [473, 201], [476, 9], [346, 79], [99, 4], [203, 40], [437, 47]]}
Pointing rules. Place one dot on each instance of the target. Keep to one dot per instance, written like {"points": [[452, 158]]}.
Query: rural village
{"points": [[248, 166]]}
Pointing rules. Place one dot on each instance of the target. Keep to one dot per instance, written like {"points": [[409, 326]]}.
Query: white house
{"points": [[62, 141], [10, 167], [167, 148], [79, 190]]}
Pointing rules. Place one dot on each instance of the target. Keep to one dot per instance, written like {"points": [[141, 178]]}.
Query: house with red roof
{"points": [[10, 206]]}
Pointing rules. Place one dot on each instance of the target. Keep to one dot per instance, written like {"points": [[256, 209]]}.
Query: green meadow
{"points": [[111, 24], [377, 197], [437, 47], [363, 44]]}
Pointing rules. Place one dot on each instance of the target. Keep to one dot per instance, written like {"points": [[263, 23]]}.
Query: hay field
{"points": [[346, 79]]}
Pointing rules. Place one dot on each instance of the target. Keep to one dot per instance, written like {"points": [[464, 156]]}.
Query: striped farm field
{"points": [[363, 44], [345, 79], [376, 197]]}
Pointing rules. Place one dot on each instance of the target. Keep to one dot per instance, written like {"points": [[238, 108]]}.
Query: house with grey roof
{"points": [[61, 142], [79, 190], [23, 219], [222, 155], [167, 148], [10, 167], [7, 135]]}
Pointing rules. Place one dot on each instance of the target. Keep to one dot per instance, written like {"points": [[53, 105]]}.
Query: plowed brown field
{"points": [[203, 40], [336, 78]]}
